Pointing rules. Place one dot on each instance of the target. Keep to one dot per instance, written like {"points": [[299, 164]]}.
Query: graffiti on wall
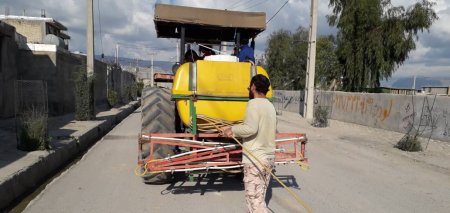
{"points": [[446, 118], [285, 100], [407, 114], [366, 106], [429, 116]]}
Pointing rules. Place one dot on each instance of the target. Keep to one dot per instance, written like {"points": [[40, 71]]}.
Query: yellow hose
{"points": [[215, 124], [296, 197], [138, 173]]}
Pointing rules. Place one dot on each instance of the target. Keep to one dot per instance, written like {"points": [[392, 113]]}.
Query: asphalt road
{"points": [[353, 169]]}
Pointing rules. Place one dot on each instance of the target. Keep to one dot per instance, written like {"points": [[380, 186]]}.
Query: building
{"points": [[392, 90], [437, 90], [39, 30]]}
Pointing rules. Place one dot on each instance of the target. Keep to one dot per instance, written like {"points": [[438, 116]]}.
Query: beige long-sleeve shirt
{"points": [[258, 130]]}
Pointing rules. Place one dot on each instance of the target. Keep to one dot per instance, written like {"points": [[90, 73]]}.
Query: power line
{"points": [[258, 3], [240, 4], [232, 4], [277, 11], [237, 4]]}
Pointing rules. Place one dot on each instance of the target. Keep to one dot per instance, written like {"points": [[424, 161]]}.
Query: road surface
{"points": [[353, 169]]}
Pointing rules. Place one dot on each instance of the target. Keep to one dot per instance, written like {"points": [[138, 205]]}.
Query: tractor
{"points": [[180, 125]]}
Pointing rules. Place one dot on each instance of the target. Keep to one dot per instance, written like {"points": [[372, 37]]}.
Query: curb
{"points": [[48, 162]]}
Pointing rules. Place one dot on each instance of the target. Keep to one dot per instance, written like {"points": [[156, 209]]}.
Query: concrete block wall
{"points": [[291, 101], [8, 70], [59, 70], [100, 76], [33, 30], [100, 90], [430, 114], [114, 78]]}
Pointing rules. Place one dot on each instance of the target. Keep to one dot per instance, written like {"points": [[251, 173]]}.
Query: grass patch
{"points": [[409, 143], [112, 98], [32, 130], [320, 117], [140, 87]]}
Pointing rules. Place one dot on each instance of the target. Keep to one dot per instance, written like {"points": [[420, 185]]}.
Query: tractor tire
{"points": [[158, 116]]}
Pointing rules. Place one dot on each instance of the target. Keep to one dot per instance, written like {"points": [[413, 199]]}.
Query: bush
{"points": [[126, 95], [112, 98], [32, 130], [409, 143], [84, 96], [133, 91], [320, 117], [140, 87]]}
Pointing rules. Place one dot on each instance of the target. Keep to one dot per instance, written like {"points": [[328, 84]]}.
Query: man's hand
{"points": [[226, 132]]}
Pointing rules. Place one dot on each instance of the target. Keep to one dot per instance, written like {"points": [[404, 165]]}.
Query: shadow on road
{"points": [[205, 183], [288, 180], [222, 182]]}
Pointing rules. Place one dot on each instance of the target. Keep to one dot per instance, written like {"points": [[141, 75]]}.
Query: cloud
{"points": [[131, 22], [432, 53]]}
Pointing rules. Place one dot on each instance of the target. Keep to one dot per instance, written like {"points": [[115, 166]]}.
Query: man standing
{"points": [[258, 134]]}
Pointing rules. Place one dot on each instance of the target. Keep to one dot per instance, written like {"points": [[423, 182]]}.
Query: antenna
{"points": [[23, 12], [6, 11], [43, 13]]}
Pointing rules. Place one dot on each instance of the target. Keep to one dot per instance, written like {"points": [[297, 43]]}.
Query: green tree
{"points": [[286, 58], [328, 68], [375, 38]]}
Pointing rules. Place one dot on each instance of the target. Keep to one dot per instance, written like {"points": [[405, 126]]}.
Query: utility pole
{"points": [[311, 67], [117, 54], [90, 38], [90, 55], [152, 78]]}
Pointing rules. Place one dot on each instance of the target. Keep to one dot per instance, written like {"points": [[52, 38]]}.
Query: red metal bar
{"points": [[217, 157], [161, 77]]}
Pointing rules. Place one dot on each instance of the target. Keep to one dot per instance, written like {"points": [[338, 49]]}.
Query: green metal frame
{"points": [[212, 98], [193, 115], [193, 109]]}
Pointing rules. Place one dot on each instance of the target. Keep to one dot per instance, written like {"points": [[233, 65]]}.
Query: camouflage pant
{"points": [[256, 181]]}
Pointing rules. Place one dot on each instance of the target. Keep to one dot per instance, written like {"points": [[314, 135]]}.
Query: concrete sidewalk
{"points": [[22, 171]]}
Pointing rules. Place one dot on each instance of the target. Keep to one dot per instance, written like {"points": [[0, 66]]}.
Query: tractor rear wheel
{"points": [[158, 116]]}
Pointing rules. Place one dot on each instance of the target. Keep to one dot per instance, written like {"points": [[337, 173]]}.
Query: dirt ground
{"points": [[352, 169], [355, 168]]}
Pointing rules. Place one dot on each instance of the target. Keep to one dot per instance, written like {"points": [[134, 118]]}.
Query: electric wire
{"points": [[277, 12], [242, 3], [256, 4], [232, 4]]}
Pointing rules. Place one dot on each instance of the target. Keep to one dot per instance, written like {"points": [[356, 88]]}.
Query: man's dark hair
{"points": [[261, 83], [244, 41]]}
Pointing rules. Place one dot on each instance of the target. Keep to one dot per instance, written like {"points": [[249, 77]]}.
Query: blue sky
{"points": [[131, 22]]}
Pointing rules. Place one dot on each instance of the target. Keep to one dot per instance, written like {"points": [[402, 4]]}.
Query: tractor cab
{"points": [[220, 30]]}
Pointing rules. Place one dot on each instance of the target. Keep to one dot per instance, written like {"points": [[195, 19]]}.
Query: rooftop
{"points": [[208, 25], [30, 18]]}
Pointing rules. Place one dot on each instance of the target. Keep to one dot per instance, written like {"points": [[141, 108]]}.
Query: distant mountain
{"points": [[407, 82]]}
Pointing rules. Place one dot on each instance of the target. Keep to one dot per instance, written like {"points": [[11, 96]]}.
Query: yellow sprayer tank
{"points": [[214, 88]]}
